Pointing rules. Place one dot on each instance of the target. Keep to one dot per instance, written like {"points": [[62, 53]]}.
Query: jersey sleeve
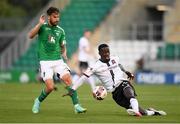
{"points": [[117, 59], [119, 63], [62, 39]]}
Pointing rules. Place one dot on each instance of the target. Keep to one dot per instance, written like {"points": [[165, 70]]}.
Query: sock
{"points": [[43, 95], [75, 78], [149, 113], [74, 97], [91, 83], [134, 104]]}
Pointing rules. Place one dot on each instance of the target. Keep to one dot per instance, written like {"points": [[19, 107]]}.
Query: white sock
{"points": [[149, 113], [134, 104], [75, 78], [91, 82]]}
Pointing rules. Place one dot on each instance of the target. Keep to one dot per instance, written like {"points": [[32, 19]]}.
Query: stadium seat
{"points": [[170, 51]]}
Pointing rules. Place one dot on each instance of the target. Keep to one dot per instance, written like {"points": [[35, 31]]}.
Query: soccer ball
{"points": [[99, 93]]}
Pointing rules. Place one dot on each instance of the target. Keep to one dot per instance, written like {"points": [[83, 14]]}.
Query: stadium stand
{"points": [[130, 52], [81, 15], [28, 61], [76, 17], [10, 31], [169, 51], [4, 42]]}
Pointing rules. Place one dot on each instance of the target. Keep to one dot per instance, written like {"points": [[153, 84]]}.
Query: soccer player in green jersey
{"points": [[51, 49]]}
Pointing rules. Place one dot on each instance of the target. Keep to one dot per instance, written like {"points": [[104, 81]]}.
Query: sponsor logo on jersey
{"points": [[51, 39]]}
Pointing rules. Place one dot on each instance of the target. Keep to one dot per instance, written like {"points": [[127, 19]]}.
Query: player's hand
{"points": [[130, 75], [70, 93], [42, 19]]}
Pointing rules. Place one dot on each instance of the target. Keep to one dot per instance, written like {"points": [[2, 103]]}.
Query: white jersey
{"points": [[109, 73], [83, 44]]}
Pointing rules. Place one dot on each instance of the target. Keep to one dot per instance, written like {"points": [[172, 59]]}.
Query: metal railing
{"points": [[147, 31]]}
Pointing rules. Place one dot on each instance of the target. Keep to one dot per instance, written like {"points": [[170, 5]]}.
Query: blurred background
{"points": [[145, 34]]}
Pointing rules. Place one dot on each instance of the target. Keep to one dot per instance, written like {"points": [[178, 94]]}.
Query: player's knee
{"points": [[129, 93], [67, 79], [130, 97], [68, 82]]}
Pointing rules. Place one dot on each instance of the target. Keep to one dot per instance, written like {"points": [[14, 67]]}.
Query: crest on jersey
{"points": [[113, 61]]}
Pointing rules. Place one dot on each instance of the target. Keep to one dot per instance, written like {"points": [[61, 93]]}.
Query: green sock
{"points": [[74, 96], [43, 95]]}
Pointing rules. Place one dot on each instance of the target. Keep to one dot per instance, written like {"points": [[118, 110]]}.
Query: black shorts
{"points": [[83, 65], [120, 97]]}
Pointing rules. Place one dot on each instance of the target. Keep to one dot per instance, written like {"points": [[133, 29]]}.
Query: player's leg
{"points": [[129, 93], [47, 90], [142, 111], [83, 67], [67, 79], [47, 75], [122, 100], [152, 111], [63, 72], [91, 82]]}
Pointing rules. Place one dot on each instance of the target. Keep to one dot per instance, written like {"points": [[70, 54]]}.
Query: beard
{"points": [[53, 23]]}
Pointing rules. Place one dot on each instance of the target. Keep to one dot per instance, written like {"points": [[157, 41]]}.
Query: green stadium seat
{"points": [[160, 53], [178, 51], [170, 51]]}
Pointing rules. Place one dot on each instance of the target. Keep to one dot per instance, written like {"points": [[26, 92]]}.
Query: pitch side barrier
{"points": [[18, 76], [157, 78]]}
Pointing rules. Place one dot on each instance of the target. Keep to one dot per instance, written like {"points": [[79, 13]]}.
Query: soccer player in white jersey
{"points": [[84, 56], [110, 72]]}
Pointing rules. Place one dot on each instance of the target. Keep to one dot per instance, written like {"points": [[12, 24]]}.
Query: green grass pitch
{"points": [[16, 101]]}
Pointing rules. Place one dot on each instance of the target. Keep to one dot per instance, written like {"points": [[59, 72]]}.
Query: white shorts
{"points": [[49, 68]]}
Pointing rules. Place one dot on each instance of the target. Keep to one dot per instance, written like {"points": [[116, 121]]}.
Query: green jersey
{"points": [[50, 39]]}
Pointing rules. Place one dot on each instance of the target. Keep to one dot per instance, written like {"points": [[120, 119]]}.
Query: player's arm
{"points": [[129, 74], [35, 30], [80, 81], [64, 50], [122, 68]]}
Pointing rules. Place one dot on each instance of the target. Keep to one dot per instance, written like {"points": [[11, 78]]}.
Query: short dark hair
{"points": [[87, 30], [102, 46], [52, 10]]}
